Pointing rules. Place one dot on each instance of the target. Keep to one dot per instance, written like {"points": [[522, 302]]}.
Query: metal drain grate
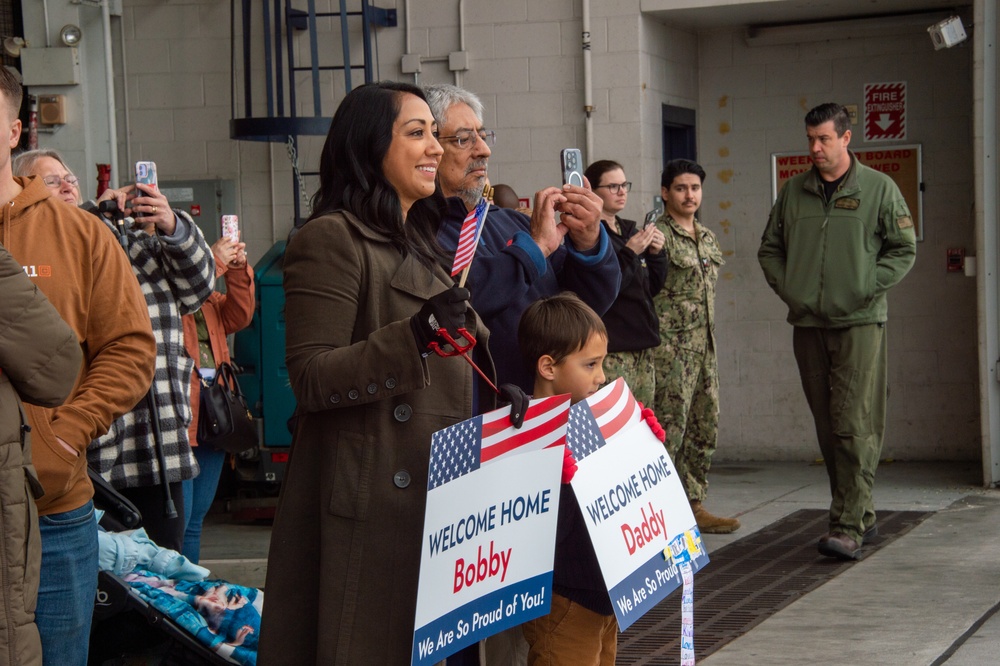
{"points": [[746, 582]]}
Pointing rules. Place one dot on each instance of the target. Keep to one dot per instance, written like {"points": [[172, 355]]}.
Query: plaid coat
{"points": [[177, 274]]}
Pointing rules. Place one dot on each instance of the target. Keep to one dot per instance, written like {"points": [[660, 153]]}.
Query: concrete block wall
{"points": [[752, 102], [527, 65]]}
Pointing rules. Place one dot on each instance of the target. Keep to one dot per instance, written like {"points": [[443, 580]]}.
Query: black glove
{"points": [[445, 310], [518, 400]]}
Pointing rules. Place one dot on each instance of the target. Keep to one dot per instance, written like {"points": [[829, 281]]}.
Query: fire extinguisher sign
{"points": [[885, 111]]}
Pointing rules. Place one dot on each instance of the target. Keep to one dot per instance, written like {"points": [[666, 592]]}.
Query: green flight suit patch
{"points": [[847, 203]]}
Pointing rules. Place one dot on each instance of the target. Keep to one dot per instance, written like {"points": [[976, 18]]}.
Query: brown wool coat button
{"points": [[335, 398], [390, 383], [372, 388], [353, 394], [402, 413], [401, 478]]}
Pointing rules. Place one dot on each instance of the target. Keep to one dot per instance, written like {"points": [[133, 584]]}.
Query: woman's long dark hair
{"points": [[351, 177]]}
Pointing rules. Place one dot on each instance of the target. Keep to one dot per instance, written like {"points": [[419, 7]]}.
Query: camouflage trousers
{"points": [[639, 370], [687, 405]]}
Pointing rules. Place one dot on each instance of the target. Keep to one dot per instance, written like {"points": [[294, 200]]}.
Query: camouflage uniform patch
{"points": [[687, 381], [639, 370]]}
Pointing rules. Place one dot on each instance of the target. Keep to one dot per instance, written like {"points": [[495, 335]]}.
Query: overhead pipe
{"points": [[125, 106], [461, 39], [109, 75]]}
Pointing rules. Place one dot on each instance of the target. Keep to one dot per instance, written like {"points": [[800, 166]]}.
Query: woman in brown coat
{"points": [[364, 292], [39, 361]]}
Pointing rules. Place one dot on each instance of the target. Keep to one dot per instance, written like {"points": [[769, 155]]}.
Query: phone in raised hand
{"points": [[145, 174], [231, 227], [571, 160]]}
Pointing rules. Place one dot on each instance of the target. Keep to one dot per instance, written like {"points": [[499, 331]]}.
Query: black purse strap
{"points": [[226, 373]]}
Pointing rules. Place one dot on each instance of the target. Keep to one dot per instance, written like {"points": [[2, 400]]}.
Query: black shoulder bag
{"points": [[224, 420]]}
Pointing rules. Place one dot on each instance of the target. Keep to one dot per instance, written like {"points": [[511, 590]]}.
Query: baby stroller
{"points": [[127, 628]]}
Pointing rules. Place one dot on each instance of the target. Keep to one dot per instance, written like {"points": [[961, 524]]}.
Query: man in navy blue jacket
{"points": [[519, 259]]}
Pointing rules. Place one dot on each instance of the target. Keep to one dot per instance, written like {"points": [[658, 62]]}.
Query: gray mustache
{"points": [[478, 164]]}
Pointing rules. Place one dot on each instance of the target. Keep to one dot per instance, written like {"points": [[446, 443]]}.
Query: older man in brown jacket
{"points": [[39, 360]]}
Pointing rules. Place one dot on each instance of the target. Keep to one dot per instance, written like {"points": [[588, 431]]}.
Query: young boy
{"points": [[565, 343]]}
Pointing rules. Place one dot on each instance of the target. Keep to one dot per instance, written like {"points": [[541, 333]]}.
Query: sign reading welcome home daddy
{"points": [[632, 502]]}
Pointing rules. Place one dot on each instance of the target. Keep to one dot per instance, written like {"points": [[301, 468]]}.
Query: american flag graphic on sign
{"points": [[468, 237], [595, 421], [466, 446]]}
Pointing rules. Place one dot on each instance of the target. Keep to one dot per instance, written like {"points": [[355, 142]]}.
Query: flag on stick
{"points": [[468, 237]]}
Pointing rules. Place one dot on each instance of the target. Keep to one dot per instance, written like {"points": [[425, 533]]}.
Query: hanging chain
{"points": [[294, 158]]}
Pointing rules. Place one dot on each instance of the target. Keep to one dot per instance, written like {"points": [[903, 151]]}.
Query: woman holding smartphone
{"points": [[364, 288], [633, 328], [175, 268], [205, 332]]}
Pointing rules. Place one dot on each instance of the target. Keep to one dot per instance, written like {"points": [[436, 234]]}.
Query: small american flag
{"points": [[468, 237], [596, 420], [466, 446]]}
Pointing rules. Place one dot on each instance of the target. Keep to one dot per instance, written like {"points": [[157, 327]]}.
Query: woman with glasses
{"points": [[175, 267], [48, 164], [633, 329]]}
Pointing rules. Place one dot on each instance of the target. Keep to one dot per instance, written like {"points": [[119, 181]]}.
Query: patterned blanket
{"points": [[223, 616]]}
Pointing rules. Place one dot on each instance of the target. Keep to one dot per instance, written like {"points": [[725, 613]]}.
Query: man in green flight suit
{"points": [[838, 238], [687, 375]]}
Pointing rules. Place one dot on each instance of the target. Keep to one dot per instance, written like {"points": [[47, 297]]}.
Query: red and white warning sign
{"points": [[885, 111]]}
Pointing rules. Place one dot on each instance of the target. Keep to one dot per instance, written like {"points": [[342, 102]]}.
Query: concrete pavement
{"points": [[929, 597], [918, 600]]}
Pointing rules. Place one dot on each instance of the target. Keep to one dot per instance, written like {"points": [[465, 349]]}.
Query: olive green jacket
{"points": [[39, 359], [832, 262]]}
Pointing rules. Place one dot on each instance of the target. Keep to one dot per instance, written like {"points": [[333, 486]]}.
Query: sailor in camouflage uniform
{"points": [[687, 377]]}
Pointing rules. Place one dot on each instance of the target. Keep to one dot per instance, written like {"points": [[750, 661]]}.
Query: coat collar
{"points": [[847, 186], [411, 277]]}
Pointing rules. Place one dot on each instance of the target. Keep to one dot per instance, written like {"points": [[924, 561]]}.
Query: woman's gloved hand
{"points": [[445, 310]]}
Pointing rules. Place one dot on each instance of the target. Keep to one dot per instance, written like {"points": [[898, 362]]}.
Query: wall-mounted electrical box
{"points": [[50, 66]]}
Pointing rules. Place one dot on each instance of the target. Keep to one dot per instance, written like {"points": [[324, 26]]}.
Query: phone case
{"points": [[145, 173], [572, 166], [231, 227]]}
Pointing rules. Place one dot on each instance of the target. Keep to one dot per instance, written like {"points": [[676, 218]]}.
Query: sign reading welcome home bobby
{"points": [[489, 528], [632, 501]]}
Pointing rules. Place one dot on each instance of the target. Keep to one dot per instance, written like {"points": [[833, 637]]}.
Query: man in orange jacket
{"points": [[73, 258]]}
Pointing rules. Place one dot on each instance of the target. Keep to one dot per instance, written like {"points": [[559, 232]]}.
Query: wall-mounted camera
{"points": [[945, 34]]}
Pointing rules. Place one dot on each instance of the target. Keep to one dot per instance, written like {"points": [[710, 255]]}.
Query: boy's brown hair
{"points": [[556, 326]]}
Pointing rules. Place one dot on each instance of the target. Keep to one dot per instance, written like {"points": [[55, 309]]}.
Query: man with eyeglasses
{"points": [[520, 259]]}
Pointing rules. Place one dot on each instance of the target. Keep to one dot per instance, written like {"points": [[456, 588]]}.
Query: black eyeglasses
{"points": [[467, 138], [616, 188], [54, 181]]}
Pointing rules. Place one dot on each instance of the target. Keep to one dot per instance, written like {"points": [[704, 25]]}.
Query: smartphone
{"points": [[651, 217], [572, 166], [231, 227], [145, 173]]}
